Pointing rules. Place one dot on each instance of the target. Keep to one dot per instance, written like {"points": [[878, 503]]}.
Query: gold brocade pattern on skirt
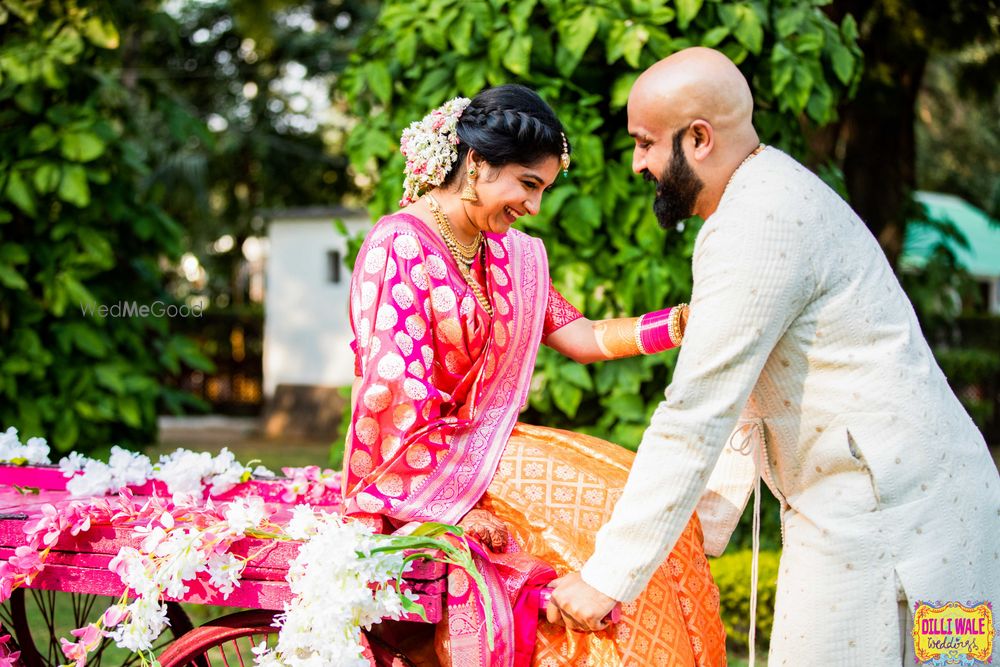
{"points": [[555, 489]]}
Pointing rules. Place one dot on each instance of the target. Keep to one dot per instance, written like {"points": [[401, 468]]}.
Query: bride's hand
{"points": [[490, 530]]}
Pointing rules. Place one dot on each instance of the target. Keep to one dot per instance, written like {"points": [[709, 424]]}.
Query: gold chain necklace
{"points": [[463, 255], [467, 251], [754, 152]]}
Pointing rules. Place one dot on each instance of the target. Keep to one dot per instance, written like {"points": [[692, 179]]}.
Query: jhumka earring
{"points": [[564, 158], [469, 193]]}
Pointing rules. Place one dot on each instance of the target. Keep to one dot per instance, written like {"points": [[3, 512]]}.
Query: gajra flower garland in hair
{"points": [[430, 146]]}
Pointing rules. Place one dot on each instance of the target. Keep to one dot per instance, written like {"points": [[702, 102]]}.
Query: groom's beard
{"points": [[677, 189]]}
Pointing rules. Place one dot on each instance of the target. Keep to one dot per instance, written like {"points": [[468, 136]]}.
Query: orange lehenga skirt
{"points": [[555, 489]]}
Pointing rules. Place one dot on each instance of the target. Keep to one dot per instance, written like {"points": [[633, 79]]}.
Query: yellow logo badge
{"points": [[953, 633]]}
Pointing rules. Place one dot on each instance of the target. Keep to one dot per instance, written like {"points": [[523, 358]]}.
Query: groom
{"points": [[800, 340]]}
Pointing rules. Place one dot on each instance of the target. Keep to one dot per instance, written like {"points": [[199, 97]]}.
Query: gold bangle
{"points": [[674, 324], [637, 331]]}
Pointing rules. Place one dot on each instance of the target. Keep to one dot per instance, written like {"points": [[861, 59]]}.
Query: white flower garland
{"points": [[344, 578], [34, 452], [338, 562], [185, 473], [430, 146]]}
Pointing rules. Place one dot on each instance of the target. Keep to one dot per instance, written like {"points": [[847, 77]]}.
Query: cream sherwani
{"points": [[799, 328]]}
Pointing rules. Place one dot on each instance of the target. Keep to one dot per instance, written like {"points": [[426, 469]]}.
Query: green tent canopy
{"points": [[982, 256]]}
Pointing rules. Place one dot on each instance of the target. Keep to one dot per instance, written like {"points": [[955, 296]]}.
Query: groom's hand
{"points": [[578, 605]]}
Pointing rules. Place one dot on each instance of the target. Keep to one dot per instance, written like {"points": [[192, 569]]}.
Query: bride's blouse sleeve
{"points": [[558, 312]]}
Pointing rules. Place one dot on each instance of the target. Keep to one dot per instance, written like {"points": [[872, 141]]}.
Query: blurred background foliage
{"points": [[77, 231], [606, 252]]}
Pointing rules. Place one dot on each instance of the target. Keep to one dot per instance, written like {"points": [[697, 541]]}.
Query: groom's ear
{"points": [[703, 135]]}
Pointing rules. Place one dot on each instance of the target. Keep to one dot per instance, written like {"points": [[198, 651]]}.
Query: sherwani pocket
{"points": [[835, 478]]}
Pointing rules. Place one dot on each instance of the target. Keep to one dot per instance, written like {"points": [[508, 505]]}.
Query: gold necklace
{"points": [[467, 251], [754, 152], [463, 261]]}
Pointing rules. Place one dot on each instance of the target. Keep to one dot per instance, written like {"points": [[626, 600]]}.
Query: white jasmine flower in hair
{"points": [[430, 146]]}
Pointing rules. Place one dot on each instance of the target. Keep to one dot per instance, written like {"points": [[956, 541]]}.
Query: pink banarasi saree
{"points": [[434, 433]]}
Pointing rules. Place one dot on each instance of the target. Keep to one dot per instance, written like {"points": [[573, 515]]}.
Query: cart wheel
{"points": [[230, 640], [37, 619], [225, 641]]}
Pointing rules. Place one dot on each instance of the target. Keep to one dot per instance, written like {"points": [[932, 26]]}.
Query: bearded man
{"points": [[800, 343]]}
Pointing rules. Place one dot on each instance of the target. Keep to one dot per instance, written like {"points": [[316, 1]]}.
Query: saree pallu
{"points": [[442, 383]]}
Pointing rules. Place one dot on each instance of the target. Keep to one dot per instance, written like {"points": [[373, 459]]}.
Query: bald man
{"points": [[803, 363]]}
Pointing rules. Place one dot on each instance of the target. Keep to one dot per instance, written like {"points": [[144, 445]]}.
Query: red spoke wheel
{"points": [[38, 619]]}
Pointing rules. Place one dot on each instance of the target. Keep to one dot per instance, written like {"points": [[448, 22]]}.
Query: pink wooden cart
{"points": [[79, 565]]}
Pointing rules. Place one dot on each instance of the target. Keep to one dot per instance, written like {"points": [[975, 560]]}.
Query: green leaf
{"points": [[576, 35], [627, 407], [406, 48], [47, 178], [782, 69], [461, 34], [29, 98], [11, 278], [749, 31], [13, 253], [843, 62], [576, 375], [73, 187], [380, 81], [800, 88], [788, 21], [43, 137], [518, 56], [809, 42], [849, 29], [471, 76], [637, 36], [78, 294], [621, 88], [86, 339], [686, 11], [128, 408], [520, 14], [110, 377], [81, 146], [101, 33], [714, 36], [20, 194], [567, 397]]}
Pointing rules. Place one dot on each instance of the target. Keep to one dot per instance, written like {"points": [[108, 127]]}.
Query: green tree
{"points": [[958, 137], [607, 253], [75, 235], [233, 128], [875, 134]]}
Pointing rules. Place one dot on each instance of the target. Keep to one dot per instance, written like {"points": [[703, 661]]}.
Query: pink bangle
{"points": [[659, 330]]}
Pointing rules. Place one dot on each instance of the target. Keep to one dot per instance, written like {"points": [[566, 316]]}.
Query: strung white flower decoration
{"points": [[430, 146], [34, 452]]}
